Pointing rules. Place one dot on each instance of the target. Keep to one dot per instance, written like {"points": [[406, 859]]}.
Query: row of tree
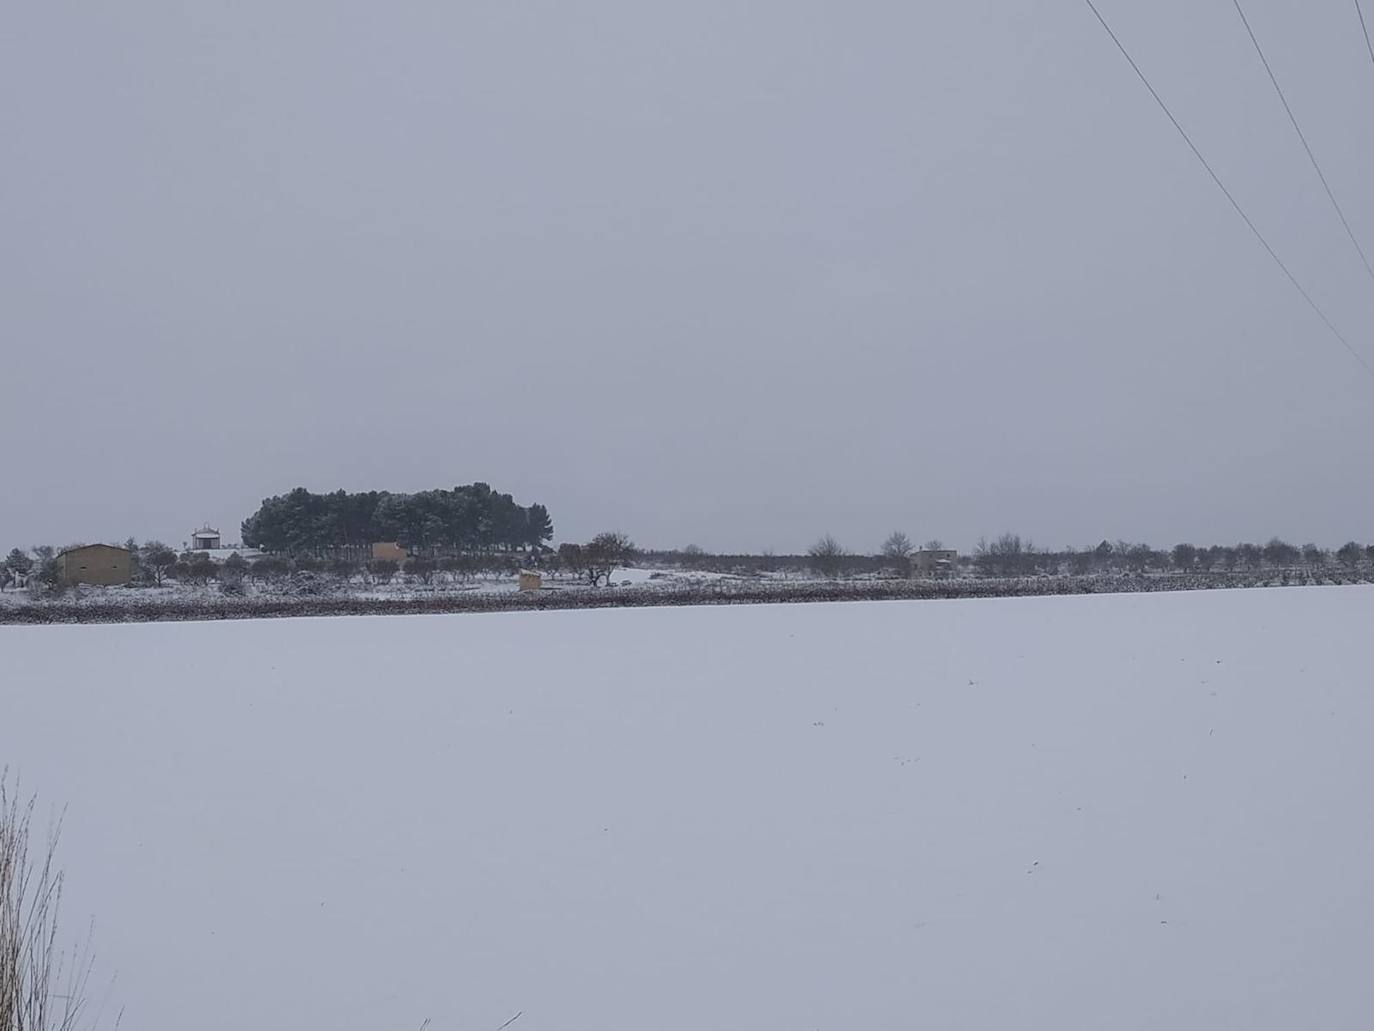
{"points": [[1009, 555], [153, 562], [473, 518], [595, 561]]}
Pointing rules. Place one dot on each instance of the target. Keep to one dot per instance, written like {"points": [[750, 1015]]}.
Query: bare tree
{"points": [[1279, 552], [896, 553], [1080, 563], [1184, 557], [897, 546], [1008, 555], [43, 986], [422, 569], [383, 569], [1140, 557], [827, 556], [459, 567], [342, 568], [1350, 554]]}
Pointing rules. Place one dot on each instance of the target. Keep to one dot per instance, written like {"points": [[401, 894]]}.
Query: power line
{"points": [[1222, 186], [1365, 29], [1301, 136]]}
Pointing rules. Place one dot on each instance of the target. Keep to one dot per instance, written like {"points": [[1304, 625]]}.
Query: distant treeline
{"points": [[1010, 555], [471, 518], [730, 592]]}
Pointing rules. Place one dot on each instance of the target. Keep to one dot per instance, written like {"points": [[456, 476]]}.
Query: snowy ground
{"points": [[1125, 811]]}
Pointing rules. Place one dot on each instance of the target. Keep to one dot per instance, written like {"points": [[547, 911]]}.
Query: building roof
{"points": [[207, 532], [87, 547]]}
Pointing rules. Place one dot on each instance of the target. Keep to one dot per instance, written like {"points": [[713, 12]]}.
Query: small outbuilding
{"points": [[102, 565], [530, 580], [205, 539]]}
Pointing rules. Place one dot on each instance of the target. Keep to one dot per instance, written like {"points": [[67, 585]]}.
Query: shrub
{"points": [[194, 569], [308, 584], [269, 567], [383, 569], [460, 567], [827, 556], [343, 568]]}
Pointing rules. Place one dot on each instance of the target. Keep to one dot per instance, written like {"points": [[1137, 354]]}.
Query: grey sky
{"points": [[732, 273]]}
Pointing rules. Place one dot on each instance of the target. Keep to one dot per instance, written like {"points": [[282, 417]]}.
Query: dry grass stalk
{"points": [[43, 986]]}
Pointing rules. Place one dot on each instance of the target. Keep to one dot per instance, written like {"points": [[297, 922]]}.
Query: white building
{"points": [[935, 562], [205, 539]]}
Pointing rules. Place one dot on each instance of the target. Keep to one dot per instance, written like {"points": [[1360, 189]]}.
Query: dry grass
{"points": [[43, 985]]}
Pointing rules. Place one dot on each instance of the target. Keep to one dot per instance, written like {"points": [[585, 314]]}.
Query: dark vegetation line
{"points": [[594, 562], [721, 593], [473, 518]]}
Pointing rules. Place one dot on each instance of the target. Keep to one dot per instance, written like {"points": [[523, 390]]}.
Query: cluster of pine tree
{"points": [[471, 518]]}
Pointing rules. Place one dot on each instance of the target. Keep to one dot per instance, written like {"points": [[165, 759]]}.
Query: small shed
{"points": [[530, 580], [388, 551], [102, 565], [205, 539]]}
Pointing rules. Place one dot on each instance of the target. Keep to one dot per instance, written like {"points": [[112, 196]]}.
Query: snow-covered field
{"points": [[1124, 811]]}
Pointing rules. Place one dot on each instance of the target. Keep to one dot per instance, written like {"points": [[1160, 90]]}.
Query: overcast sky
{"points": [[733, 273]]}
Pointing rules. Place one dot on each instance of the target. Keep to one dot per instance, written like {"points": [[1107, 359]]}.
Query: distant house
{"points": [[932, 562], [530, 580], [205, 539], [101, 564], [388, 551]]}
